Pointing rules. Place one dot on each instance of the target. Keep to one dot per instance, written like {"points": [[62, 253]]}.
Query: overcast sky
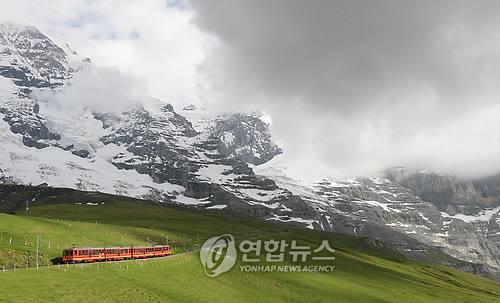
{"points": [[354, 86]]}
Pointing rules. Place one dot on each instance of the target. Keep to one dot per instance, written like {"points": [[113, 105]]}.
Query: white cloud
{"points": [[100, 89], [147, 39]]}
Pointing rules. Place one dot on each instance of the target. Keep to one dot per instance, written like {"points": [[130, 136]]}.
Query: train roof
{"points": [[122, 247]]}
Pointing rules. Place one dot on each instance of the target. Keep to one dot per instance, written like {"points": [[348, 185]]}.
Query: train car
{"points": [[76, 255]]}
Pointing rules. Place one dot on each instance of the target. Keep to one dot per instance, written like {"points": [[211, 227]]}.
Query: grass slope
{"points": [[363, 274]]}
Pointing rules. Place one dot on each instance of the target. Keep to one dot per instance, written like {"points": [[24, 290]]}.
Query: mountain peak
{"points": [[14, 28], [31, 58]]}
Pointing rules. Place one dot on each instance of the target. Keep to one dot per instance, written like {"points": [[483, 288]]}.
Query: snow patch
{"points": [[484, 215], [221, 206]]}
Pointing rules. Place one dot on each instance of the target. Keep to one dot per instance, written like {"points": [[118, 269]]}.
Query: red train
{"points": [[74, 255]]}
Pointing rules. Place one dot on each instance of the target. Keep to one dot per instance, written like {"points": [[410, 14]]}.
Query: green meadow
{"points": [[362, 273]]}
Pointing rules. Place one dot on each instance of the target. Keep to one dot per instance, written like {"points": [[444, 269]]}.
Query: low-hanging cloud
{"points": [[98, 89], [363, 85]]}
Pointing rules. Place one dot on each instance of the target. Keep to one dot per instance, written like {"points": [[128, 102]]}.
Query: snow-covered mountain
{"points": [[149, 150]]}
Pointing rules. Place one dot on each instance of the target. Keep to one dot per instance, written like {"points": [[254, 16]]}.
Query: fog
{"points": [[99, 89]]}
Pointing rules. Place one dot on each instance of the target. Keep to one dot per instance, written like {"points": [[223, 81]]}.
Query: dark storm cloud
{"points": [[352, 71], [346, 53]]}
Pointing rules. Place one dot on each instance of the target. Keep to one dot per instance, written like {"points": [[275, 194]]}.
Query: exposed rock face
{"points": [[244, 137], [385, 210], [449, 193], [23, 118], [31, 58], [191, 157], [154, 142]]}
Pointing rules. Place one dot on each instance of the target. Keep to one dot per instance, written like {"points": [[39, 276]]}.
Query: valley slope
{"points": [[364, 272]]}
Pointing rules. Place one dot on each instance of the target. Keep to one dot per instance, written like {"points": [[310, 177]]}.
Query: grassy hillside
{"points": [[363, 274]]}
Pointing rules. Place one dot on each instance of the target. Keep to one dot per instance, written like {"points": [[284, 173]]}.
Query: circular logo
{"points": [[218, 255]]}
